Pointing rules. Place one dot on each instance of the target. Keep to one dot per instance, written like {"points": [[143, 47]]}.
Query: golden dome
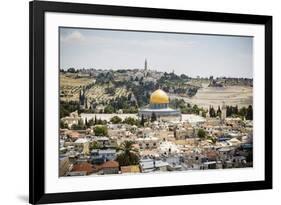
{"points": [[159, 97]]}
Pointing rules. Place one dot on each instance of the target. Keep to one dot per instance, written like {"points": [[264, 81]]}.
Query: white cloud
{"points": [[74, 36]]}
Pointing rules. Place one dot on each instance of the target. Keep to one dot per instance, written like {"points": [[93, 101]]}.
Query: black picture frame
{"points": [[37, 10]]}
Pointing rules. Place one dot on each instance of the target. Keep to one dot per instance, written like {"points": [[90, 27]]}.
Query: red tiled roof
{"points": [[73, 134], [84, 167], [212, 154], [110, 164]]}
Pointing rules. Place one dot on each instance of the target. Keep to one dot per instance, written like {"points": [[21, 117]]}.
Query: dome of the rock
{"points": [[159, 106], [159, 97]]}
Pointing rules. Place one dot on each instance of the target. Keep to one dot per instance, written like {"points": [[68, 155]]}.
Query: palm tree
{"points": [[129, 155]]}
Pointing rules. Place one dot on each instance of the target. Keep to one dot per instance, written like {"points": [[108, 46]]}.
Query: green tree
{"points": [[63, 125], [195, 109], [232, 111], [249, 157], [86, 122], [219, 112], [142, 120], [204, 113], [95, 122], [131, 121], [95, 145], [100, 130], [213, 139], [109, 109], [228, 111], [243, 112], [235, 109], [128, 155], [249, 115], [201, 134], [131, 109], [101, 122], [212, 112], [153, 117], [71, 70], [175, 132], [116, 120], [81, 123], [91, 122], [67, 107], [79, 126]]}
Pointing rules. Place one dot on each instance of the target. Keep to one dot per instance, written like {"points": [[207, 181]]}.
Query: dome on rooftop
{"points": [[159, 97]]}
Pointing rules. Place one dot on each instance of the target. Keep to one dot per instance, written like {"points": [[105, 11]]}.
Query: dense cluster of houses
{"points": [[161, 146]]}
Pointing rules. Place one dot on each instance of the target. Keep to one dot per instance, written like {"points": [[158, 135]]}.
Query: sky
{"points": [[190, 54]]}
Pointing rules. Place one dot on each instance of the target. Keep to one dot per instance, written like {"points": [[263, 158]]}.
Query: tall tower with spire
{"points": [[145, 68], [145, 65]]}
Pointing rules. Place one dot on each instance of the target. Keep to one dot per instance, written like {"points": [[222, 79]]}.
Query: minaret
{"points": [[145, 68], [145, 65]]}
